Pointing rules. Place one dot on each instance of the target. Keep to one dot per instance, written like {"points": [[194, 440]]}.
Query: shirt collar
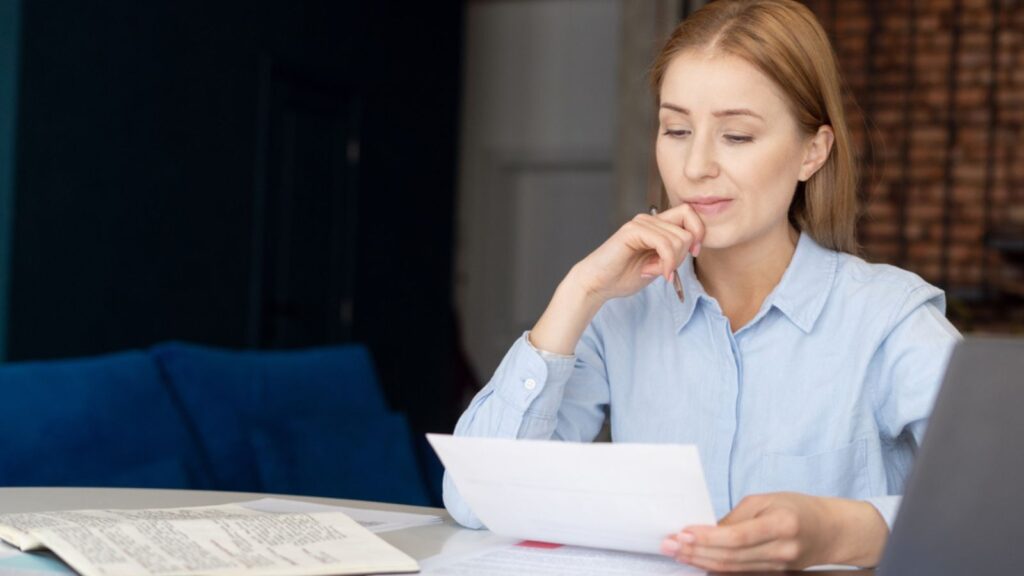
{"points": [[807, 283], [800, 295]]}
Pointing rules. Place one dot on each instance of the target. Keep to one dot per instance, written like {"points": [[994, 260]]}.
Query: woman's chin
{"points": [[716, 239]]}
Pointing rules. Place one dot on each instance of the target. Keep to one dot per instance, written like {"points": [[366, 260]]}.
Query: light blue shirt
{"points": [[826, 391]]}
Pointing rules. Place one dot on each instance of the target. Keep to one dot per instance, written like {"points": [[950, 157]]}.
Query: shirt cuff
{"points": [[531, 383]]}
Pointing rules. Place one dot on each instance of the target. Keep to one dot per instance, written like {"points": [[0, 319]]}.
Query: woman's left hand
{"points": [[783, 531]]}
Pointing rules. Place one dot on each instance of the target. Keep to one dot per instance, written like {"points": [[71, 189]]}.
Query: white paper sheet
{"points": [[560, 561], [618, 496]]}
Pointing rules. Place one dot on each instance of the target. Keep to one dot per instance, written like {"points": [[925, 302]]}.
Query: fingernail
{"points": [[669, 546], [687, 538], [696, 249], [646, 276], [671, 276]]}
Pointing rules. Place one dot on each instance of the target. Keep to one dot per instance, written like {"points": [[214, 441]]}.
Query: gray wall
{"points": [[537, 180]]}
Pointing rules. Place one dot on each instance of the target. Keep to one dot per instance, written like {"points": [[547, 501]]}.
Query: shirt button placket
{"points": [[732, 405]]}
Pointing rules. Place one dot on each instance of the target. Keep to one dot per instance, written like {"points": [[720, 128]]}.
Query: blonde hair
{"points": [[784, 40]]}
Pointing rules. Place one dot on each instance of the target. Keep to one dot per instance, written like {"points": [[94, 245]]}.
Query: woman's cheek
{"points": [[670, 168]]}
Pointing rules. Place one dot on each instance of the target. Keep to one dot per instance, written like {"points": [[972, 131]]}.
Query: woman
{"points": [[804, 374]]}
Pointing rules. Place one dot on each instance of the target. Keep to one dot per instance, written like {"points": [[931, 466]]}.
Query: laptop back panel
{"points": [[963, 512]]}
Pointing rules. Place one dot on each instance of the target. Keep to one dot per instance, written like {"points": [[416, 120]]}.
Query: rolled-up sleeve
{"points": [[910, 366]]}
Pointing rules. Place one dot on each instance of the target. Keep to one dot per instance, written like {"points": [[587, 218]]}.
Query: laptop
{"points": [[963, 509]]}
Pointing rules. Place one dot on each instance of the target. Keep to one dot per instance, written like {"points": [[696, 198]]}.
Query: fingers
{"points": [[685, 217], [671, 243], [687, 237], [772, 554], [670, 247], [740, 542], [741, 535], [781, 552], [652, 266]]}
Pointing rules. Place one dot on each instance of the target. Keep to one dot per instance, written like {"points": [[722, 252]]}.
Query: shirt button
{"points": [[530, 384]]}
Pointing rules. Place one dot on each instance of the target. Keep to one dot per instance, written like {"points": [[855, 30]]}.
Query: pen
{"points": [[675, 276]]}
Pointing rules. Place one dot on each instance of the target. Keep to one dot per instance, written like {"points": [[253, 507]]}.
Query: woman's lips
{"points": [[710, 206]]}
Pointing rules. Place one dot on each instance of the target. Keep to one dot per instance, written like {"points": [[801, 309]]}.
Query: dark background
{"points": [[258, 174]]}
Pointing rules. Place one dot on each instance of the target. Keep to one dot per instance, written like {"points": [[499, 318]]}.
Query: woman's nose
{"points": [[700, 162]]}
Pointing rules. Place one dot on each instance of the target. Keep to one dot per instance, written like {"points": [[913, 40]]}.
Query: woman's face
{"points": [[730, 147]]}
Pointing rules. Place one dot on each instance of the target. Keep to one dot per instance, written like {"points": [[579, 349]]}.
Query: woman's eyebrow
{"points": [[716, 113], [737, 112], [675, 108]]}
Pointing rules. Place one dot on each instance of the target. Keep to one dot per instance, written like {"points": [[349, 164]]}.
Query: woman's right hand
{"points": [[644, 248], [641, 250]]}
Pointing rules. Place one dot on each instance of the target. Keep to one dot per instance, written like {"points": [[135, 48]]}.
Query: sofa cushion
{"points": [[226, 394], [360, 458], [102, 421]]}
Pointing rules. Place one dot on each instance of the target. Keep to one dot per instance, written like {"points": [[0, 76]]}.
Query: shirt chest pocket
{"points": [[840, 473]]}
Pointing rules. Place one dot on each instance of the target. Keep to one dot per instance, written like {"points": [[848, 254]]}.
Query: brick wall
{"points": [[941, 83]]}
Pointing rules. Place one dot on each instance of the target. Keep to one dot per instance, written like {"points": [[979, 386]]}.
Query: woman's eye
{"points": [[738, 139], [677, 133]]}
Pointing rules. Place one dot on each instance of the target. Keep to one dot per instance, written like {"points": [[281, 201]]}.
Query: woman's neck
{"points": [[741, 277]]}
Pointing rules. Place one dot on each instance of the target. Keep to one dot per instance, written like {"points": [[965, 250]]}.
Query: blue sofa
{"points": [[311, 422]]}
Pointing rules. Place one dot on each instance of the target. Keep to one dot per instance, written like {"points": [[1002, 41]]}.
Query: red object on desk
{"points": [[535, 544]]}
